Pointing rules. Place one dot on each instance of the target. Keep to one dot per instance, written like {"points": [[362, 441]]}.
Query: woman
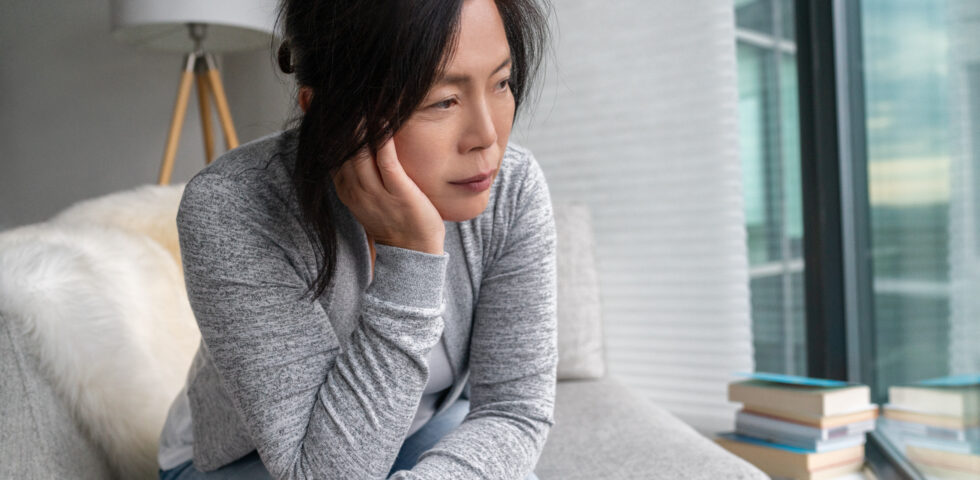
{"points": [[375, 289]]}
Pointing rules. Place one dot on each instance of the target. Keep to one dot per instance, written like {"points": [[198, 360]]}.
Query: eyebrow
{"points": [[457, 79]]}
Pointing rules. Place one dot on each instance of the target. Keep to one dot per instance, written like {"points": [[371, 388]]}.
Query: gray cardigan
{"points": [[327, 389]]}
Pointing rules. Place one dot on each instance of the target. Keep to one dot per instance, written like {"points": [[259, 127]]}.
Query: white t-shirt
{"points": [[177, 438]]}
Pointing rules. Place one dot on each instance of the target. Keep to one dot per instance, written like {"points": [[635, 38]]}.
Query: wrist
{"points": [[434, 244], [408, 277], [430, 247]]}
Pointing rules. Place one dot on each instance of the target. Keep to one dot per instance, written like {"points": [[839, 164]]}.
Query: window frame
{"points": [[774, 46], [836, 210]]}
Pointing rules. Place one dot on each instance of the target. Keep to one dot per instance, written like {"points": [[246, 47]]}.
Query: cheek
{"points": [[503, 122], [504, 125], [424, 151]]}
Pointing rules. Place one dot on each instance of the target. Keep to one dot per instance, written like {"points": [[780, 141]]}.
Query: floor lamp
{"points": [[198, 29]]}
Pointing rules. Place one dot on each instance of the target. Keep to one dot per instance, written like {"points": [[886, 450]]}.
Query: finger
{"points": [[341, 184], [393, 176], [346, 182], [341, 176], [366, 172]]}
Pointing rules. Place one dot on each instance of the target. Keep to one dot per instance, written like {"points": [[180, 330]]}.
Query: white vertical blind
{"points": [[638, 121]]}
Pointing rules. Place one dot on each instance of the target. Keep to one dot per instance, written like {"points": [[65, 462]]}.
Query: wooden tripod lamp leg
{"points": [[224, 114], [180, 108], [204, 107]]}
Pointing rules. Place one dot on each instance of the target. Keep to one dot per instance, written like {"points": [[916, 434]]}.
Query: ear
{"points": [[305, 97]]}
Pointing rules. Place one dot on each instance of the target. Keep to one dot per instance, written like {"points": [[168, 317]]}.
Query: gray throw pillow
{"points": [[580, 335]]}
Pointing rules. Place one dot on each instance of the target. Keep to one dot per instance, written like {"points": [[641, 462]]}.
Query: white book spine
{"points": [[804, 443], [939, 433], [780, 427]]}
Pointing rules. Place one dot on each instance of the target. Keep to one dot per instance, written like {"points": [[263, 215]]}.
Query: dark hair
{"points": [[370, 64]]}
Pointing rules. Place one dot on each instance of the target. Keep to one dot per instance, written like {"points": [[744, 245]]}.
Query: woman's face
{"points": [[461, 129]]}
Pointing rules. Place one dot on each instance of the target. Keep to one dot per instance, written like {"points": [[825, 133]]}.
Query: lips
{"points": [[474, 179]]}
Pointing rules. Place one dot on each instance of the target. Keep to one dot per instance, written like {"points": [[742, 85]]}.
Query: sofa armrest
{"points": [[605, 430], [38, 437]]}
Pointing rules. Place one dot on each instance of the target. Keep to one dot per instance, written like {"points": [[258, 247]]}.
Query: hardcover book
{"points": [[811, 444], [943, 473], [864, 413], [829, 473], [904, 436], [796, 398], [895, 412], [938, 433], [953, 401], [801, 435], [960, 462], [785, 461]]}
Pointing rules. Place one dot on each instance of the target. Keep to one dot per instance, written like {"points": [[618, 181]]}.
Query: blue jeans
{"points": [[250, 467]]}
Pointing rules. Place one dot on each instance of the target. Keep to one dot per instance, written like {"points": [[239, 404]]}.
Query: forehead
{"points": [[481, 42]]}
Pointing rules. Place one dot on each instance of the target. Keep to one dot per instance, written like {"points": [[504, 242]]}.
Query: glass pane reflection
{"points": [[923, 121]]}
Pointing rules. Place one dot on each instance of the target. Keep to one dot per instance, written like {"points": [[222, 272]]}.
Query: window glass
{"points": [[770, 154], [923, 117]]}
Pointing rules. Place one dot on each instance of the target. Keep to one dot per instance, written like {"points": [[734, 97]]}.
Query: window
{"points": [[770, 152], [922, 104], [907, 98], [886, 135]]}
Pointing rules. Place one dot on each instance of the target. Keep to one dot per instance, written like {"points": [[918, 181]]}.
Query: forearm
{"points": [[502, 440]]}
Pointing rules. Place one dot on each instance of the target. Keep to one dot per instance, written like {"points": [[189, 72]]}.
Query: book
{"points": [[828, 473], [943, 421], [962, 462], [953, 401], [902, 427], [905, 437], [805, 399], [794, 379], [967, 447], [952, 381], [785, 461], [812, 444], [791, 428], [865, 412], [786, 433], [939, 473]]}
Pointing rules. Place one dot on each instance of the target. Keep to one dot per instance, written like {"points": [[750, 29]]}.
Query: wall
{"points": [[82, 115]]}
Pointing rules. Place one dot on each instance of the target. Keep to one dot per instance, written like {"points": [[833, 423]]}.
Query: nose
{"points": [[480, 130]]}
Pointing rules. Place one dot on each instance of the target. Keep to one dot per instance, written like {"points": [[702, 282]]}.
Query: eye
{"points": [[444, 104], [503, 84]]}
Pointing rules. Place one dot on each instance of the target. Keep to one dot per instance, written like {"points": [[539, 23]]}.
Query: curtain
{"points": [[637, 119]]}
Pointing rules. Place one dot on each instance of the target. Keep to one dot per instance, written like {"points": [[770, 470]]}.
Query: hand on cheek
{"points": [[388, 204]]}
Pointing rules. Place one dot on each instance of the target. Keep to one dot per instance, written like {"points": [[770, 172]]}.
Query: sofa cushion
{"points": [[147, 210], [106, 312], [38, 437], [580, 336], [605, 430]]}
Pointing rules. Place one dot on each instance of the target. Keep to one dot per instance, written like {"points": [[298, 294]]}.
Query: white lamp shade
{"points": [[162, 24]]}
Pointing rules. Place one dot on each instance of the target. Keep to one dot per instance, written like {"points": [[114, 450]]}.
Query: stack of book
{"points": [[801, 428], [937, 424]]}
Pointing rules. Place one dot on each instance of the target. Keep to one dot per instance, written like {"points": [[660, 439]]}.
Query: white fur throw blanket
{"points": [[99, 293]]}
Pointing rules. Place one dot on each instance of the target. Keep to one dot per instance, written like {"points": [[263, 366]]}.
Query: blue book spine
{"points": [[755, 441]]}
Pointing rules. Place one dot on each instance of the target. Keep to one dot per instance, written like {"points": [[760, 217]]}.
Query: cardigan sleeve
{"points": [[513, 354], [313, 408]]}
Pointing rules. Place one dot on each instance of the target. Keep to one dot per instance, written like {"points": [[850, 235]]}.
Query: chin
{"points": [[462, 210]]}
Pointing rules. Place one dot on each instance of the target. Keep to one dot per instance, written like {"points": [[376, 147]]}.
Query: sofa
{"points": [[96, 336]]}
